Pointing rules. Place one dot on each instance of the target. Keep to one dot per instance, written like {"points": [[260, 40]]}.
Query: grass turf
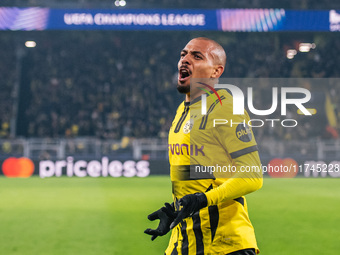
{"points": [[108, 215]]}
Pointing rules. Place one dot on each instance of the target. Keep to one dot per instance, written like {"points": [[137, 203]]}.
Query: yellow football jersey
{"points": [[204, 151]]}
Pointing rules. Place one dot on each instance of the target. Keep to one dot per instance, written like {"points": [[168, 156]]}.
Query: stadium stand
{"points": [[116, 84]]}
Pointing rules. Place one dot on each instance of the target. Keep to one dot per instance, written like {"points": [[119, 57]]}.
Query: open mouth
{"points": [[184, 74]]}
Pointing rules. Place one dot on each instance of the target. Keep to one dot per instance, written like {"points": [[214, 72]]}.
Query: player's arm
{"points": [[242, 183], [239, 141], [247, 179]]}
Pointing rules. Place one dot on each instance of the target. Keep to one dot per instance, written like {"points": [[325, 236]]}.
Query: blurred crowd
{"points": [[114, 84], [8, 79]]}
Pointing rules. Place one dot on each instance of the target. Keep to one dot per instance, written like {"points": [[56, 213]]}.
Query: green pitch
{"points": [[108, 215]]}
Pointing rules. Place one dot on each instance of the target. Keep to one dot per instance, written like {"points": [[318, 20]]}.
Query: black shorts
{"points": [[243, 252]]}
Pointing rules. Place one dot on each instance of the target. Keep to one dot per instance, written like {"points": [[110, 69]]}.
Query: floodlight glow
{"points": [[120, 3], [291, 53], [30, 44], [305, 47]]}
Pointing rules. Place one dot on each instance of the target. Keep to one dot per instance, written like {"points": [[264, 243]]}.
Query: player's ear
{"points": [[218, 70]]}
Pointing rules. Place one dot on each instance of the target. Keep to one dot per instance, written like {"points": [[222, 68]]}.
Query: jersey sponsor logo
{"points": [[185, 149], [188, 126], [243, 133]]}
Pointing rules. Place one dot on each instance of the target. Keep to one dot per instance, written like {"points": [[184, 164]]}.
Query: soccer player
{"points": [[209, 214]]}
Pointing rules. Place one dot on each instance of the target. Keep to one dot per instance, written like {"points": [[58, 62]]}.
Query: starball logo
{"points": [[334, 20]]}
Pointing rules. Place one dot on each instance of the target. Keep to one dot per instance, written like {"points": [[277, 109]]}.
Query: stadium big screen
{"points": [[88, 98]]}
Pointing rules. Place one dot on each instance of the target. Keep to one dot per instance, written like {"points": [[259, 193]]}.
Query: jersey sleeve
{"points": [[237, 139], [235, 135], [247, 179]]}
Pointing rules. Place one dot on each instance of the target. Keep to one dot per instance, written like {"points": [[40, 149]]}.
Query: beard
{"points": [[183, 89]]}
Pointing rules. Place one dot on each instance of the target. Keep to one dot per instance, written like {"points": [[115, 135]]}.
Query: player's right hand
{"points": [[165, 215]]}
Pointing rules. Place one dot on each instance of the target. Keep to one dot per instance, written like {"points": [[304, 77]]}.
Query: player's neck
{"points": [[187, 97]]}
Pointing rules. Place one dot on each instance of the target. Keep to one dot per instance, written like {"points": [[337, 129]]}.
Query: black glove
{"points": [[190, 204], [165, 215]]}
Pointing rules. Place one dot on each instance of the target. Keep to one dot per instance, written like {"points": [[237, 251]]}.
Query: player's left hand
{"points": [[190, 204]]}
